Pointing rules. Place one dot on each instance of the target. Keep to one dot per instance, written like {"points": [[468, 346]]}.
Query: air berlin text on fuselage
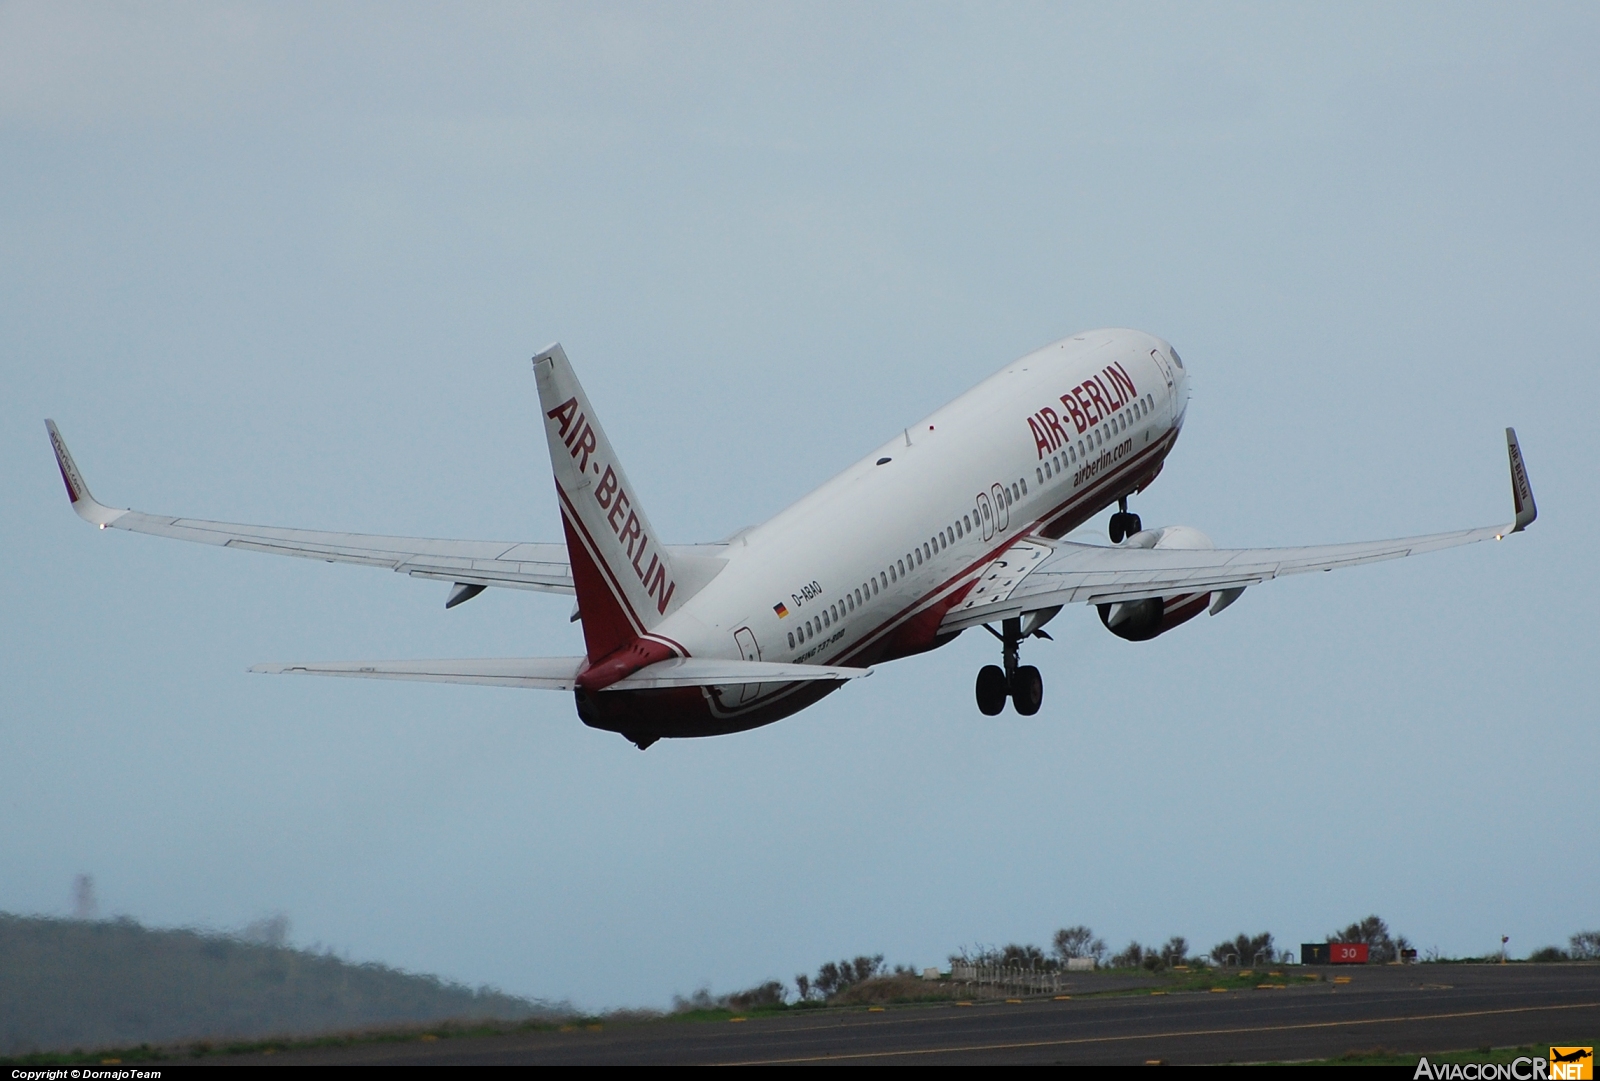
{"points": [[579, 438], [1087, 404]]}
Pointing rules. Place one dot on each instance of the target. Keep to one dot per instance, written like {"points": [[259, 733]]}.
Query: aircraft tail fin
{"points": [[624, 578]]}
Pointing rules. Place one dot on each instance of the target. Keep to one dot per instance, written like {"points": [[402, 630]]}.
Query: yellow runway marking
{"points": [[1239, 1031]]}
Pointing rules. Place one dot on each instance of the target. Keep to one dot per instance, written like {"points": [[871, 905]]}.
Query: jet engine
{"points": [[1142, 620]]}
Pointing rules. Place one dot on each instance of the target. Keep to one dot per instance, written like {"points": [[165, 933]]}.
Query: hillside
{"points": [[85, 984]]}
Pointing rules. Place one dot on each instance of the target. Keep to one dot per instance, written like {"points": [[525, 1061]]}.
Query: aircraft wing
{"points": [[560, 673], [541, 567], [1096, 574]]}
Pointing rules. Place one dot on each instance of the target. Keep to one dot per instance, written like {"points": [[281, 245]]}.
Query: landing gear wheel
{"points": [[1027, 690], [991, 690], [1124, 524]]}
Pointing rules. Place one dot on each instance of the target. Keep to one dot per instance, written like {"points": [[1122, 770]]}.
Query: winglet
{"points": [[77, 491], [1521, 490]]}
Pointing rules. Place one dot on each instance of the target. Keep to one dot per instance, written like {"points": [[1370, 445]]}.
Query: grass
{"points": [[1382, 1056]]}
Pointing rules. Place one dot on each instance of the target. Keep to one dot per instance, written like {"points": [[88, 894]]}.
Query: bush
{"points": [[1244, 949], [1079, 941], [1381, 949], [768, 995], [1585, 946], [1132, 957], [1548, 954], [833, 978]]}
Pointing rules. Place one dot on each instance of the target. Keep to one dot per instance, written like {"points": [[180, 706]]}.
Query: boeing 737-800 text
{"points": [[956, 522]]}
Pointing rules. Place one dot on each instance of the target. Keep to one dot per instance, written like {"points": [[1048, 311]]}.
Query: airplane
{"points": [[959, 521]]}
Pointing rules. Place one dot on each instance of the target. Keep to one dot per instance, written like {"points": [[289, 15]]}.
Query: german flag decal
{"points": [[780, 609]]}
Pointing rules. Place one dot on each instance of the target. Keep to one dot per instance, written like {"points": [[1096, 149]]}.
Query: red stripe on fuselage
{"points": [[944, 590]]}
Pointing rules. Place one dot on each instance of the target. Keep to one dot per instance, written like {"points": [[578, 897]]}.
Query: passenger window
{"points": [[1038, 474], [791, 639], [966, 522], [902, 567], [850, 601], [883, 579], [917, 556], [1024, 483]]}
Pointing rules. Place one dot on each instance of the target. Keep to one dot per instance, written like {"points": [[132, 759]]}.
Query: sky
{"points": [[286, 264]]}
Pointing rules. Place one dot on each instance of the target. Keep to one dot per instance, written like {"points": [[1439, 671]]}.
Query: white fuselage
{"points": [[841, 575]]}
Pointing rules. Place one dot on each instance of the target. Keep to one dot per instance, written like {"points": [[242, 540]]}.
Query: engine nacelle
{"points": [[1144, 619]]}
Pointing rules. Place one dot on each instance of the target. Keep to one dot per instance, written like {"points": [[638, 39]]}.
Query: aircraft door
{"points": [[1002, 513], [986, 515], [1164, 368], [750, 651]]}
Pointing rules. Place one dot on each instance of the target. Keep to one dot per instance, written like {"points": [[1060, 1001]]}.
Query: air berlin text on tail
{"points": [[579, 439]]}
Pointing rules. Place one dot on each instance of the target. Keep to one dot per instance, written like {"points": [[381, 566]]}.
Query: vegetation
{"points": [[164, 994], [106, 983], [1583, 946], [1381, 949], [1174, 953], [1245, 950], [1077, 942], [1384, 1056]]}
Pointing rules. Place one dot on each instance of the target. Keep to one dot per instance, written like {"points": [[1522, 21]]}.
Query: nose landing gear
{"points": [[1021, 683], [1123, 523]]}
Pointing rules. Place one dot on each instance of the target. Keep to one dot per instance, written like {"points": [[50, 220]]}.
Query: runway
{"points": [[1416, 1009]]}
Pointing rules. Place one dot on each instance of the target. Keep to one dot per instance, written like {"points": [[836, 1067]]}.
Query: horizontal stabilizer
{"points": [[543, 673], [560, 673]]}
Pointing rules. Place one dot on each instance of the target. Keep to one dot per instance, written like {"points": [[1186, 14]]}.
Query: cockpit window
{"points": [[1176, 359]]}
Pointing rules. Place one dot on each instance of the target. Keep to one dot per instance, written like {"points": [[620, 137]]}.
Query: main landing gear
{"points": [[1021, 683], [1123, 523]]}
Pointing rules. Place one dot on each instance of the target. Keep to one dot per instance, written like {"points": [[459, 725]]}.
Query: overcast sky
{"points": [[286, 264]]}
